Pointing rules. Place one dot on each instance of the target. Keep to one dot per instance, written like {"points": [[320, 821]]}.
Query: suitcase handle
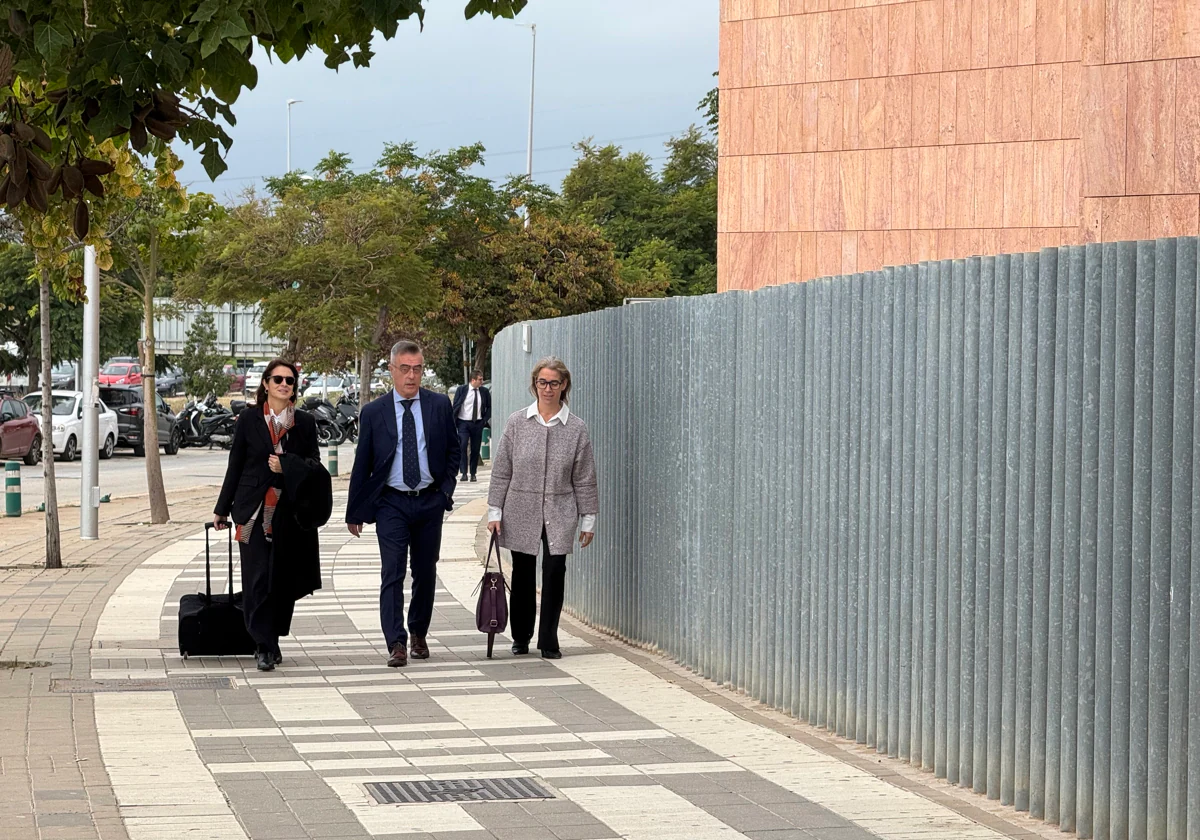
{"points": [[208, 526]]}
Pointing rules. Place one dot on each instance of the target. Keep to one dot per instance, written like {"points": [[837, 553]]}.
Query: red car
{"points": [[20, 435], [121, 373]]}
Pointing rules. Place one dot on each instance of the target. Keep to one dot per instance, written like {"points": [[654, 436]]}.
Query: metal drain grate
{"points": [[163, 684], [456, 790]]}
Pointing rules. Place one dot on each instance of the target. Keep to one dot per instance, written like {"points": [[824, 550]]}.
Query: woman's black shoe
{"points": [[520, 648], [277, 655], [551, 654], [265, 660]]}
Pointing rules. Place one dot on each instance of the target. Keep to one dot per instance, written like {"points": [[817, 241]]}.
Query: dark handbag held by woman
{"points": [[491, 610]]}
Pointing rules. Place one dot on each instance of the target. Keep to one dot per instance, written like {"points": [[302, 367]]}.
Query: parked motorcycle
{"points": [[207, 423], [335, 424]]}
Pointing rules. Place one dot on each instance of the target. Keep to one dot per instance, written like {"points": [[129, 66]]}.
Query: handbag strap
{"points": [[493, 544]]}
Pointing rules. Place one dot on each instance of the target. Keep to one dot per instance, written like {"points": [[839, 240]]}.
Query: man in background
{"points": [[472, 411]]}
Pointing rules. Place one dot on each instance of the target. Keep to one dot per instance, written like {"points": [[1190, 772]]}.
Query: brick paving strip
{"points": [[628, 744]]}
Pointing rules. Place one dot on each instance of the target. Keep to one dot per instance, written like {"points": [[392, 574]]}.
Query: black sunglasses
{"points": [[283, 380]]}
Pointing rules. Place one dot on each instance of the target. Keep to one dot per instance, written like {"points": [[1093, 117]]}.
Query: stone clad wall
{"points": [[856, 135]]}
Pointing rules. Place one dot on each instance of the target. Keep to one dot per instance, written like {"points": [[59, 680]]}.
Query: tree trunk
{"points": [[53, 538], [482, 347], [160, 514], [35, 372], [364, 379]]}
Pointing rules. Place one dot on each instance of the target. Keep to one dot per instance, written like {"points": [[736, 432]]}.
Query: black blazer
{"points": [[485, 397], [379, 440], [248, 474]]}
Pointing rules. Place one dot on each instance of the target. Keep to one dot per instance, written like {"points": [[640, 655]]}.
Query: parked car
{"points": [[169, 382], [67, 434], [62, 377], [128, 403], [253, 378], [237, 379], [19, 432], [121, 373]]}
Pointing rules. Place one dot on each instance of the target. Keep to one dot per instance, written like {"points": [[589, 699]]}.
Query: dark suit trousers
{"points": [[268, 616], [404, 526], [470, 437], [523, 598]]}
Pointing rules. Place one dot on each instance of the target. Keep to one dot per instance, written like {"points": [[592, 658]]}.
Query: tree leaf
{"points": [[206, 11], [170, 57], [52, 38], [214, 165]]}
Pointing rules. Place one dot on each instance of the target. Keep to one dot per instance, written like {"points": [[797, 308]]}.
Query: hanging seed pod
{"points": [[72, 180], [81, 224], [55, 181], [20, 165], [160, 129], [16, 192], [7, 148], [93, 185], [41, 139], [37, 198], [138, 138], [56, 96], [95, 167], [6, 66], [4, 182], [38, 168], [24, 131]]}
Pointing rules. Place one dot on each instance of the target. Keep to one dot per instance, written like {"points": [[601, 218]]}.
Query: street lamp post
{"points": [[532, 80], [290, 103]]}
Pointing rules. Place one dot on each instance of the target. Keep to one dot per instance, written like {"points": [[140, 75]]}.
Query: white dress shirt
{"points": [[396, 476], [468, 406], [587, 522]]}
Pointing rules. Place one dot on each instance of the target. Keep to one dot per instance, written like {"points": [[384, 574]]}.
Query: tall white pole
{"points": [[290, 103], [532, 80], [89, 484]]}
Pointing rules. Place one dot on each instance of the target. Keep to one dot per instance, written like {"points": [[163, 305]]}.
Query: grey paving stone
{"points": [[746, 817]]}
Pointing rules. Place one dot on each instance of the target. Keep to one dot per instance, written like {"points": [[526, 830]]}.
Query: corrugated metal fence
{"points": [[946, 510]]}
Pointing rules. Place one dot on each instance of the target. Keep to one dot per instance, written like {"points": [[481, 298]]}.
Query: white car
{"points": [[67, 409], [254, 377]]}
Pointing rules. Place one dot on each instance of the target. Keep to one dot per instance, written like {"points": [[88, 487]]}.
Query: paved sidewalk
{"points": [[618, 742]]}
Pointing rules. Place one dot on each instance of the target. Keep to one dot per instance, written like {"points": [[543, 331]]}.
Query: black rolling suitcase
{"points": [[213, 625]]}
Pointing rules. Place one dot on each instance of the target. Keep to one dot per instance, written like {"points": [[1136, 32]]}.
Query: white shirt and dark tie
{"points": [[396, 477], [472, 407]]}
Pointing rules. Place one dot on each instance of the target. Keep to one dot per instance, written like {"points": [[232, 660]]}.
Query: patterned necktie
{"points": [[412, 465], [475, 405]]}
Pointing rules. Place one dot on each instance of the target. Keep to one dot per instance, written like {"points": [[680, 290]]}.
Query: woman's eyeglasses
{"points": [[552, 384], [283, 380]]}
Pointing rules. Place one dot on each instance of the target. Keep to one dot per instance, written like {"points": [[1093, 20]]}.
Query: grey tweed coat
{"points": [[543, 476]]}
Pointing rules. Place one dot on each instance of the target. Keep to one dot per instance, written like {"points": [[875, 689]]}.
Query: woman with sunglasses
{"points": [[543, 486], [280, 556]]}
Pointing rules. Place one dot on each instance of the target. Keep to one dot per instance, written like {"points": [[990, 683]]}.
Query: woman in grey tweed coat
{"points": [[543, 486]]}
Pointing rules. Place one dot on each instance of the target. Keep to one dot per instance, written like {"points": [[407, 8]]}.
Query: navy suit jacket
{"points": [[379, 441], [485, 398]]}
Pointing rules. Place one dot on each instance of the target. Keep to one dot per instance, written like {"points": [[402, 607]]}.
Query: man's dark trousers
{"points": [[408, 525], [470, 436]]}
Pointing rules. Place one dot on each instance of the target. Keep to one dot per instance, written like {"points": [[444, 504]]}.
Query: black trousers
{"points": [[470, 442], [523, 596], [268, 615], [404, 526]]}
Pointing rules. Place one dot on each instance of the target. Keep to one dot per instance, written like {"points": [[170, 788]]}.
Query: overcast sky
{"points": [[625, 71]]}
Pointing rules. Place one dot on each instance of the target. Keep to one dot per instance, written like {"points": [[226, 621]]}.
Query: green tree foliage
{"points": [[202, 363], [160, 69], [330, 267], [19, 319], [663, 226]]}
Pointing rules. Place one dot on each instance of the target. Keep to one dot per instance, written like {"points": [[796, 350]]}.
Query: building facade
{"points": [[857, 134]]}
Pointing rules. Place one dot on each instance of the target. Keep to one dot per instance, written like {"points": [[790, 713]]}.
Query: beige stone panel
{"points": [[928, 30], [1102, 119], [1125, 217], [1072, 213], [1047, 102], [801, 195], [870, 250], [1187, 125], [766, 121], [931, 196], [905, 175], [960, 186], [1048, 183], [947, 108], [898, 111], [877, 195], [1150, 130], [926, 105], [970, 122], [830, 213], [902, 39], [1051, 31], [1174, 215], [829, 116], [872, 125]]}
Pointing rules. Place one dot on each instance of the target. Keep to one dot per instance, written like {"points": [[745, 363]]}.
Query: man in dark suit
{"points": [[472, 411], [403, 480]]}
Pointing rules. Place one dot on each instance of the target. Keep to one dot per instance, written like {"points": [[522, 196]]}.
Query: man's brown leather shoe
{"points": [[420, 650], [399, 657]]}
